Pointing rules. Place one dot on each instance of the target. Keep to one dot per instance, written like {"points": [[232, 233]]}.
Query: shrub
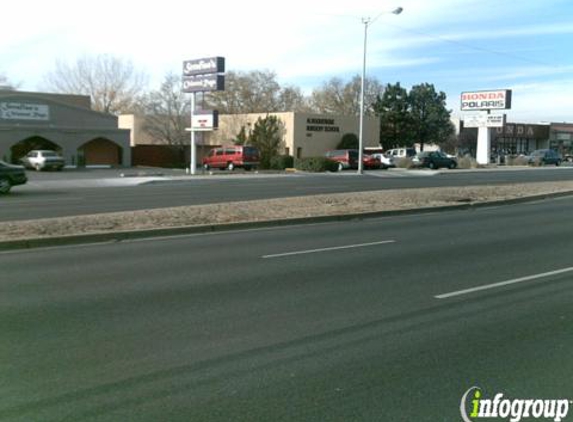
{"points": [[518, 161], [348, 141], [315, 164], [467, 162], [281, 162], [403, 163]]}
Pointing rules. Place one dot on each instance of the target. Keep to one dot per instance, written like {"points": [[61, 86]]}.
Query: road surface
{"points": [[390, 319]]}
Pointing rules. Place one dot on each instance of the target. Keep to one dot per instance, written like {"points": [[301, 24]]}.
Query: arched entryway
{"points": [[100, 151], [19, 150]]}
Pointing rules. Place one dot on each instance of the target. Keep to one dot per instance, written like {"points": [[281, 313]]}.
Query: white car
{"points": [[386, 160], [39, 159]]}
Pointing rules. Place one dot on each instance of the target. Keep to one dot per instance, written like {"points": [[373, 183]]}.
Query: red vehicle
{"points": [[232, 157], [348, 159]]}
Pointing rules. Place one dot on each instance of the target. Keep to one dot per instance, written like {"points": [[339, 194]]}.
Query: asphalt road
{"points": [[329, 322], [65, 196]]}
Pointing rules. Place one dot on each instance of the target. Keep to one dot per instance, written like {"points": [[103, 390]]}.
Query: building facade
{"points": [[63, 123], [303, 135]]}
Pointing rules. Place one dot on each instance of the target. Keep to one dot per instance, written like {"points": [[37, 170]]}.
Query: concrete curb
{"points": [[119, 236]]}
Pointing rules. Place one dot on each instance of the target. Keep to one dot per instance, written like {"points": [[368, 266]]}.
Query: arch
{"points": [[100, 151], [23, 147]]}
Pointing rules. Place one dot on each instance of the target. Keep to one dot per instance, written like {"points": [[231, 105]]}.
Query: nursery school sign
{"points": [[321, 125]]}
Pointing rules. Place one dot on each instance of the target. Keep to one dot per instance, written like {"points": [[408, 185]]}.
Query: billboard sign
{"points": [[204, 66], [202, 83], [486, 100], [484, 120]]}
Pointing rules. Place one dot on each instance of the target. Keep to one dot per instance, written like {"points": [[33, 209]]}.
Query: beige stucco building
{"points": [[305, 134]]}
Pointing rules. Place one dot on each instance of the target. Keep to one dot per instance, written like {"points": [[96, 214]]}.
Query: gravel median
{"points": [[275, 209]]}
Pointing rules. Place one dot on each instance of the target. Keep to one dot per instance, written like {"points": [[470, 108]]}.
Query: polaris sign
{"points": [[486, 100]]}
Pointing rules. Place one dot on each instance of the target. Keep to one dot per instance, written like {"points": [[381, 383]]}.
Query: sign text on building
{"points": [[24, 111], [486, 100], [321, 125]]}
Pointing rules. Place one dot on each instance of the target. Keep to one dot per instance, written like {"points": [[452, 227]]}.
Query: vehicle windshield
{"points": [[49, 154]]}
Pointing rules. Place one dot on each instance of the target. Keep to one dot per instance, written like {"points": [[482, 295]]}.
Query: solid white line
{"points": [[334, 248], [503, 283]]}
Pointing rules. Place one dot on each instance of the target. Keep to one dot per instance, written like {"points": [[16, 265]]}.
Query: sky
{"points": [[456, 45]]}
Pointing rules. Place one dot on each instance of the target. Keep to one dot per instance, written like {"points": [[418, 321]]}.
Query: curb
{"points": [[120, 236]]}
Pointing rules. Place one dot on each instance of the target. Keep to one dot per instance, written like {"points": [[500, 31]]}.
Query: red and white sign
{"points": [[486, 100]]}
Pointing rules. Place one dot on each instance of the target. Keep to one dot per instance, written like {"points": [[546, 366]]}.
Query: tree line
{"points": [[117, 87]]}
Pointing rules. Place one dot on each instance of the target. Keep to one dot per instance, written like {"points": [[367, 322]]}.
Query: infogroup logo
{"points": [[475, 407]]}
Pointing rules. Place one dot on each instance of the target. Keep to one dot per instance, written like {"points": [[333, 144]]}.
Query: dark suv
{"points": [[11, 175], [545, 156]]}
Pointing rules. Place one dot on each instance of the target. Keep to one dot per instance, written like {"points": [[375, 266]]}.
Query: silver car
{"points": [[39, 159]]}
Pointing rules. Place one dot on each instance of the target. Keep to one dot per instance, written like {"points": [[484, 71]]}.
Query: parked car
{"points": [[232, 157], [541, 157], [386, 161], [39, 159], [401, 152], [370, 162], [346, 158], [434, 160], [11, 175]]}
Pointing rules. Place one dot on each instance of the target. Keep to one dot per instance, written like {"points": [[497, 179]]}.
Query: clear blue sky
{"points": [[457, 45]]}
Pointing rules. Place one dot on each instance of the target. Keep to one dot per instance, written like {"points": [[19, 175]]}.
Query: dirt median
{"points": [[275, 209]]}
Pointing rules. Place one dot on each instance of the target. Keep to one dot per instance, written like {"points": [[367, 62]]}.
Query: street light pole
{"points": [[367, 22]]}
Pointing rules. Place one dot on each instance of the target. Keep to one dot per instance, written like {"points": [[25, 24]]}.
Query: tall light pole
{"points": [[367, 22]]}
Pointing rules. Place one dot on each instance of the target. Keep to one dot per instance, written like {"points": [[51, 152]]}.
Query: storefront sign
{"points": [[486, 100], [525, 131], [24, 111], [204, 66], [203, 83]]}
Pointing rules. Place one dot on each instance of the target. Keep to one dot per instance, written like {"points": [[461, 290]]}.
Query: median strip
{"points": [[334, 248], [502, 283]]}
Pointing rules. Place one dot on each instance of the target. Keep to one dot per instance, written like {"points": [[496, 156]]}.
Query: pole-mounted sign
{"points": [[202, 75], [485, 101]]}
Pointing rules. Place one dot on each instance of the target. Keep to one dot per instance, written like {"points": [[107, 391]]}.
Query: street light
{"points": [[367, 22]]}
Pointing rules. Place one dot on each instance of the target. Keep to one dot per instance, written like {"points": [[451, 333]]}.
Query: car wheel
{"points": [[206, 166], [452, 165], [431, 165], [558, 163], [340, 167], [5, 186], [230, 166]]}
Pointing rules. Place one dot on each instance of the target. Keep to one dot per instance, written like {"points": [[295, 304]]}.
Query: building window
{"points": [[287, 151], [299, 152]]}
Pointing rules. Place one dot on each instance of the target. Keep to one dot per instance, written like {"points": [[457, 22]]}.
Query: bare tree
{"points": [[6, 84], [167, 115], [112, 83], [255, 92], [339, 97]]}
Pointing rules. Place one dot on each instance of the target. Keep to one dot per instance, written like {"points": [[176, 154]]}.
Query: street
{"points": [[79, 193], [389, 319]]}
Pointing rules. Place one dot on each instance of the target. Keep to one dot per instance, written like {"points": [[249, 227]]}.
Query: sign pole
{"points": [[193, 160]]}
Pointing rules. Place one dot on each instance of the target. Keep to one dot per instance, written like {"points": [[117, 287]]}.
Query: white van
{"points": [[401, 152]]}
